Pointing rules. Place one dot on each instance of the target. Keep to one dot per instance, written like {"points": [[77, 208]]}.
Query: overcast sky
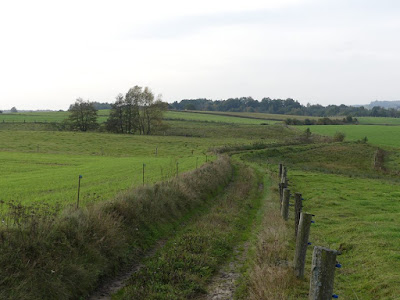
{"points": [[316, 51]]}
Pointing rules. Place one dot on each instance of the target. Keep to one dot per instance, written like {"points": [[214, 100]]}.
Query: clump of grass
{"points": [[379, 159], [65, 257]]}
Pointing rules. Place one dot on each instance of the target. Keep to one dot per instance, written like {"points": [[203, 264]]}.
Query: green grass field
{"points": [[378, 121], [359, 216], [44, 166], [53, 178], [59, 116], [355, 207], [253, 115], [377, 134], [44, 117], [221, 118]]}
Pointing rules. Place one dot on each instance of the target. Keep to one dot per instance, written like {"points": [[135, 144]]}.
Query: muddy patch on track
{"points": [[223, 285]]}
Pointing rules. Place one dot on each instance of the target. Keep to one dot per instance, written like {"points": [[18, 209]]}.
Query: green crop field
{"points": [[44, 117], [59, 116], [378, 121], [360, 217], [376, 134], [254, 115], [223, 118], [43, 167]]}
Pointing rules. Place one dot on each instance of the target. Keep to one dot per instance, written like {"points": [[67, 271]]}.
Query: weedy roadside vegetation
{"points": [[271, 275], [66, 255]]}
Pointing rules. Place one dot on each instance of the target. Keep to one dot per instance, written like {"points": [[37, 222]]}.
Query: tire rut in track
{"points": [[112, 286]]}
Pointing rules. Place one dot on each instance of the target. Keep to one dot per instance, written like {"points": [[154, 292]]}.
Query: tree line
{"points": [[138, 111], [280, 106], [322, 121]]}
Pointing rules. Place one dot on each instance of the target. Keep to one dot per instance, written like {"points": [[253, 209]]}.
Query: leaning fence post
{"points": [[285, 204], [298, 203], [280, 170], [322, 273], [302, 244]]}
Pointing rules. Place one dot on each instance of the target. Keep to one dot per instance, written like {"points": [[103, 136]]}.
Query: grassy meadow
{"points": [[47, 164], [380, 135], [221, 118], [378, 121], [44, 117]]}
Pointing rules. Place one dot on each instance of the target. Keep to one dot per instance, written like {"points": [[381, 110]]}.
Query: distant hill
{"points": [[385, 104]]}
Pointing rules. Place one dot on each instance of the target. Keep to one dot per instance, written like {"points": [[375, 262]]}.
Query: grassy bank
{"points": [[64, 256]]}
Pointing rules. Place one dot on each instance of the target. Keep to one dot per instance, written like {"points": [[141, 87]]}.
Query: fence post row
{"points": [[323, 259], [302, 244], [322, 273]]}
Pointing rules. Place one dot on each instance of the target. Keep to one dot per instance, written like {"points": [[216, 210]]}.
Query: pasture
{"points": [[43, 117], [355, 207], [43, 167], [386, 136], [221, 118]]}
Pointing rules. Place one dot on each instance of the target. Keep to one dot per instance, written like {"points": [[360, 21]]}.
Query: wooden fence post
{"points": [[285, 204], [302, 244], [283, 183], [284, 174], [322, 273], [280, 170], [298, 203]]}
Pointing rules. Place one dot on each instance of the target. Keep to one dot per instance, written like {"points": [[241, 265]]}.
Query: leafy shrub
{"points": [[339, 137]]}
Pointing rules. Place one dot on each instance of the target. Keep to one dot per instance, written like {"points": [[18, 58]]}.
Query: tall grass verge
{"points": [[65, 256], [271, 276]]}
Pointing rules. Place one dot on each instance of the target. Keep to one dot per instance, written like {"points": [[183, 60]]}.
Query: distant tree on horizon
{"points": [[14, 110]]}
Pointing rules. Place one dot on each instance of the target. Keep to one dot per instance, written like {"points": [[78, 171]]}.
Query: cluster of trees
{"points": [[322, 121], [280, 106], [136, 112], [83, 116]]}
